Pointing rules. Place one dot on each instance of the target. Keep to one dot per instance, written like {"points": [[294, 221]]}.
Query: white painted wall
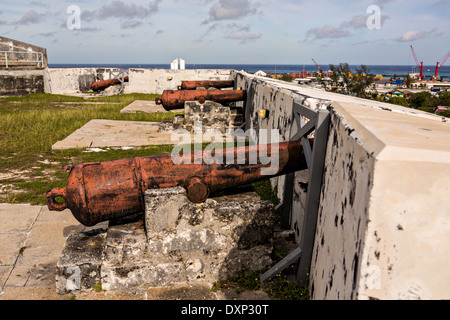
{"points": [[70, 80], [157, 80], [383, 225], [152, 81]]}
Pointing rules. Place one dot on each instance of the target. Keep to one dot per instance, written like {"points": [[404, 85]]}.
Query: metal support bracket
{"points": [[315, 158], [120, 75]]}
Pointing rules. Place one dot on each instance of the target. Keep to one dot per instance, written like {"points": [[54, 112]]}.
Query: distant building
{"points": [[174, 64], [178, 63], [395, 94]]}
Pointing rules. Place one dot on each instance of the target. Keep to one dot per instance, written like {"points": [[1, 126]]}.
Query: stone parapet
{"points": [[215, 239], [179, 243]]}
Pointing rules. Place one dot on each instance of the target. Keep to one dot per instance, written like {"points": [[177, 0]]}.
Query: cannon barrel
{"points": [[97, 192], [102, 85], [218, 84], [175, 99]]}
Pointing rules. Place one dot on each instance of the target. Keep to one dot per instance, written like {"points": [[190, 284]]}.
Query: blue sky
{"points": [[232, 31]]}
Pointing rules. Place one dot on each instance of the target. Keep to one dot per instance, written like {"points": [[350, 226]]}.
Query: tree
{"points": [[409, 81], [351, 83], [399, 101], [444, 98], [287, 77], [361, 80], [420, 99]]}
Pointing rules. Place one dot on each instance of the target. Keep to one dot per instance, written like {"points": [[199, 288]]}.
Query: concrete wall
{"points": [[158, 80], [383, 226], [21, 82], [73, 80]]}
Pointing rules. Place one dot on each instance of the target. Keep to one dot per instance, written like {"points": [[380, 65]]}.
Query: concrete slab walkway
{"points": [[144, 106], [31, 241], [99, 133]]}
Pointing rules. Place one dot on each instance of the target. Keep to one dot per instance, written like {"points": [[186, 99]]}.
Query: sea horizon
{"points": [[429, 70]]}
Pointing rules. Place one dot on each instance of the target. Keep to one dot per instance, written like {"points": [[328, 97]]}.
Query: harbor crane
{"points": [[317, 65], [440, 64], [420, 65]]}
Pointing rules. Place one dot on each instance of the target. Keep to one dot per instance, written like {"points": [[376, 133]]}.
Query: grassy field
{"points": [[30, 125]]}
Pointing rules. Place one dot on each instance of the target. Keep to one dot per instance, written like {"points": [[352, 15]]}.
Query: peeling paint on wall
{"points": [[341, 226]]}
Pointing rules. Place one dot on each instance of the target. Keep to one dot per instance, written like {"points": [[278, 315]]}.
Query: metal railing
{"points": [[21, 58]]}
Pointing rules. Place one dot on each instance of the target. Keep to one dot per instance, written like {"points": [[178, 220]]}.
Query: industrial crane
{"points": [[420, 65], [440, 64], [320, 69]]}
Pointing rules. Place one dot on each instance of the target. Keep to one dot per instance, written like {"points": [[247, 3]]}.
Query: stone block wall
{"points": [[210, 116], [180, 244], [213, 240]]}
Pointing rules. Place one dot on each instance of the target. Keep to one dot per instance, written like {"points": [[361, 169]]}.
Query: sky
{"points": [[371, 32]]}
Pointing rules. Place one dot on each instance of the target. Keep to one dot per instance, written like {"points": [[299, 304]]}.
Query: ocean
{"points": [[282, 68]]}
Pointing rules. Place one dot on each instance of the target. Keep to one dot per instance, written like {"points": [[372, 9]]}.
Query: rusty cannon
{"points": [[97, 192], [102, 85], [218, 84], [175, 99]]}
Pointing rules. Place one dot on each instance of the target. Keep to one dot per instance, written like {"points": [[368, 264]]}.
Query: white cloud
{"points": [[120, 9], [130, 14], [230, 9], [360, 22], [440, 3], [327, 31], [357, 22], [30, 17], [413, 35], [243, 36]]}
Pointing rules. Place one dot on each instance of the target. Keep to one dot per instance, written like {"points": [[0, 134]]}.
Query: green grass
{"points": [[265, 190], [277, 289], [31, 124]]}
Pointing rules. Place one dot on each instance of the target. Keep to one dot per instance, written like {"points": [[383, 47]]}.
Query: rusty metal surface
{"points": [[175, 99], [97, 192], [102, 85], [218, 84]]}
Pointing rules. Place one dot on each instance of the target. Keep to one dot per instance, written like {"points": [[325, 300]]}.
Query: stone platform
{"points": [[175, 243], [145, 106], [99, 133]]}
